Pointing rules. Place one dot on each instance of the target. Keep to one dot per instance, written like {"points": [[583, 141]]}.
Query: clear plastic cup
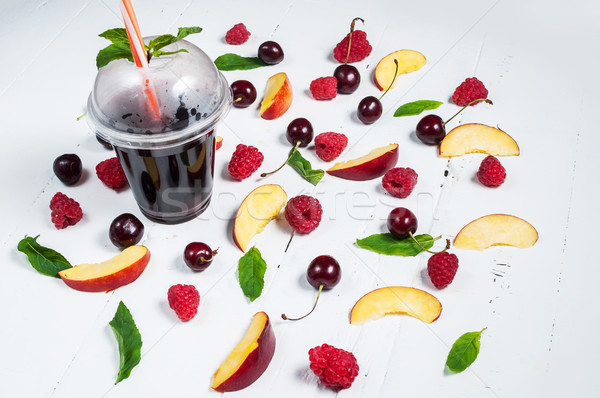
{"points": [[167, 156]]}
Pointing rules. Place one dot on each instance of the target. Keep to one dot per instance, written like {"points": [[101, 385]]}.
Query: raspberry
{"points": [[469, 90], [111, 173], [491, 172], [324, 88], [65, 211], [336, 368], [400, 181], [303, 213], [184, 299], [244, 161], [441, 268], [237, 35], [330, 145], [359, 48]]}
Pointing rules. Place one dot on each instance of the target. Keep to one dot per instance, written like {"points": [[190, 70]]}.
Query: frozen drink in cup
{"points": [[167, 156]]}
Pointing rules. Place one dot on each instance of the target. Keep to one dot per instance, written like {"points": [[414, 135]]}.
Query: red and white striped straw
{"points": [[137, 49]]}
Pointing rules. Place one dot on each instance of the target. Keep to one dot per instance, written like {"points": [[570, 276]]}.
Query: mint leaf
{"points": [[304, 168], [251, 270], [161, 41], [158, 53], [183, 32], [113, 52], [227, 62], [390, 245], [46, 261], [116, 35], [129, 339], [464, 351], [416, 107]]}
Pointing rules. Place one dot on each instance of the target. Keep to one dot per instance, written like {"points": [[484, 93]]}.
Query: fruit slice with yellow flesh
{"points": [[373, 165], [258, 208], [396, 300], [408, 61], [249, 359], [278, 97], [478, 138], [494, 230]]}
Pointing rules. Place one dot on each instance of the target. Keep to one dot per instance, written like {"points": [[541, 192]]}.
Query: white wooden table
{"points": [[539, 60]]}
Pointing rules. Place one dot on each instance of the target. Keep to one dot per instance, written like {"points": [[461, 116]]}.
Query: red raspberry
{"points": [[400, 181], [469, 90], [303, 213], [244, 161], [491, 172], [65, 211], [237, 35], [336, 368], [360, 47], [441, 268], [184, 299], [324, 88], [330, 145], [111, 173]]}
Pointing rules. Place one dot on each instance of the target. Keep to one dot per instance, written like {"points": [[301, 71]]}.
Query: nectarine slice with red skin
{"points": [[249, 359], [219, 142], [408, 61], [496, 230], [478, 138], [373, 165], [396, 300], [258, 209], [109, 275], [278, 97]]}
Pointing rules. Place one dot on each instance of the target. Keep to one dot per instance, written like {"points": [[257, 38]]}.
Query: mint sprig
{"points": [[120, 47], [304, 168], [464, 351], [416, 107], [389, 245], [227, 62], [45, 260], [251, 273], [129, 339]]}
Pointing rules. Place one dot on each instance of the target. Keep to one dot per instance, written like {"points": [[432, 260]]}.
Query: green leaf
{"points": [[251, 270], [390, 245], [129, 339], [158, 53], [183, 32], [304, 168], [113, 52], [116, 35], [161, 41], [464, 352], [46, 261], [228, 62], [415, 108]]}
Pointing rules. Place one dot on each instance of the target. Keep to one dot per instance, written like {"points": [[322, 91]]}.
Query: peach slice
{"points": [[278, 97], [408, 61], [375, 164], [478, 138], [249, 359], [396, 300], [119, 271], [219, 142], [494, 230], [258, 208]]}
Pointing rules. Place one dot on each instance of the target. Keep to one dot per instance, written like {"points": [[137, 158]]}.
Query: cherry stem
{"points": [[350, 37], [469, 104], [284, 317], [238, 99], [288, 159], [289, 241], [82, 116], [214, 253], [429, 251], [393, 80]]}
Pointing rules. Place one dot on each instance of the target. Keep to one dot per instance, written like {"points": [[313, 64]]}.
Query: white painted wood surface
{"points": [[539, 60]]}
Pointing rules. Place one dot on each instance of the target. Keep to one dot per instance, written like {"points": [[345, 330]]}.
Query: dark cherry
{"points": [[104, 143], [369, 110], [402, 222], [244, 93], [126, 230], [431, 130], [348, 78], [67, 168], [198, 256], [270, 52], [323, 273], [300, 129]]}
